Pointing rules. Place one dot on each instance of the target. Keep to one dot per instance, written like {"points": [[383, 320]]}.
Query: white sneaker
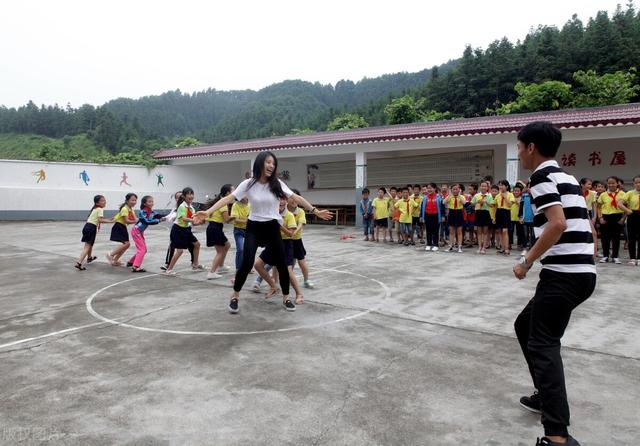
{"points": [[427, 248], [213, 275], [435, 248], [459, 248], [617, 261], [604, 260], [197, 267], [449, 249], [224, 269], [256, 288], [170, 272], [309, 284]]}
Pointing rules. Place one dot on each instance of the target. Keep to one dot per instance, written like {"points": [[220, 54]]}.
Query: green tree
{"points": [[609, 89], [401, 111], [347, 121], [549, 95], [187, 141]]}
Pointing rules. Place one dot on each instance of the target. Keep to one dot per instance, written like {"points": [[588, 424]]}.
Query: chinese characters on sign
{"points": [[594, 158]]}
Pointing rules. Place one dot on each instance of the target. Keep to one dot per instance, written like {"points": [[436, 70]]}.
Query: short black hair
{"points": [[365, 191], [405, 188], [544, 135], [383, 189], [518, 186], [393, 188]]}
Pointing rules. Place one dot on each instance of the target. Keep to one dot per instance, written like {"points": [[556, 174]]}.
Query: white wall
{"points": [[64, 195]]}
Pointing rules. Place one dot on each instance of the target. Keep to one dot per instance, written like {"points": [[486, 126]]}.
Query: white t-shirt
{"points": [[264, 205]]}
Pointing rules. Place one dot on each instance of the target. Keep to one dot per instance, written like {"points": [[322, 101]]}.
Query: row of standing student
{"points": [[493, 212]]}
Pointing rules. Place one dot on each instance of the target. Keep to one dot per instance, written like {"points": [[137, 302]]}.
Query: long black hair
{"points": [[96, 200], [144, 200], [224, 191], [126, 199], [273, 181], [185, 191]]}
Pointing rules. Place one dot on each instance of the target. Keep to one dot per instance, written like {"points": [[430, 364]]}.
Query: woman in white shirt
{"points": [[264, 191]]}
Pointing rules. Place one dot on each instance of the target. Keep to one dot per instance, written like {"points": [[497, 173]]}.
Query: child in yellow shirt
{"points": [[381, 214], [406, 206]]}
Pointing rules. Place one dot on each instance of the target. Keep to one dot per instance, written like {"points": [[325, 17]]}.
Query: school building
{"points": [[331, 168]]}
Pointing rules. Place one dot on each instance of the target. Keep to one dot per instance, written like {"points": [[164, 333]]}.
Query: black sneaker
{"points": [[129, 264], [288, 305], [233, 306], [531, 403], [544, 441], [163, 267]]}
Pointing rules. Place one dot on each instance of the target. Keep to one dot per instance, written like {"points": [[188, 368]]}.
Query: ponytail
{"points": [[185, 191], [224, 191], [96, 200]]}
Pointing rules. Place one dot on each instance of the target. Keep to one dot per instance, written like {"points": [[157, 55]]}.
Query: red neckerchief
{"points": [[585, 194], [131, 215], [189, 213], [501, 200], [614, 203], [147, 210], [455, 202]]}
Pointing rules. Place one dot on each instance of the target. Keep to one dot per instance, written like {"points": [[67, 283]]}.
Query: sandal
{"points": [[91, 259], [79, 267], [138, 270], [272, 292]]}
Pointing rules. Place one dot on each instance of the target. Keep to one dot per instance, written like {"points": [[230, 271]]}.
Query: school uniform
{"points": [[299, 253], [239, 210], [119, 232], [482, 209], [406, 208], [456, 210], [612, 215], [288, 221], [181, 235], [503, 209], [90, 229], [215, 233], [381, 212]]}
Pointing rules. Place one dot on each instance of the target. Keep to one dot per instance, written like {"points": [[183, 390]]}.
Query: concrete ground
{"points": [[395, 346]]}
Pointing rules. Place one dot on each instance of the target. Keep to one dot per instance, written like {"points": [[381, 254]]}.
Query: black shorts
{"points": [[89, 233], [182, 238], [503, 218], [267, 258], [215, 235], [415, 221], [119, 233], [456, 218], [483, 218], [382, 223], [299, 253]]}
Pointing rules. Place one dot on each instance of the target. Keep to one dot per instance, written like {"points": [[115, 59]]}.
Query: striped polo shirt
{"points": [[573, 252]]}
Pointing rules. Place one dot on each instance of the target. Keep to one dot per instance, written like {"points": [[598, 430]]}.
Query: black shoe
{"points": [[129, 264], [288, 305], [531, 403], [91, 259], [233, 306], [544, 441], [163, 267]]}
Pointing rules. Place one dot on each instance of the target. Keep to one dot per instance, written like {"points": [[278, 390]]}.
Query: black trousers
{"points": [[432, 225], [539, 328], [610, 233], [267, 234], [633, 230], [171, 251]]}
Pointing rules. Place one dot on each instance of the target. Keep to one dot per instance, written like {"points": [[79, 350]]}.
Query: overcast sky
{"points": [[85, 51]]}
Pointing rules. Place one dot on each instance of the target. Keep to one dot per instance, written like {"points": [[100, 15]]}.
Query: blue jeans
{"points": [[368, 226], [238, 235]]}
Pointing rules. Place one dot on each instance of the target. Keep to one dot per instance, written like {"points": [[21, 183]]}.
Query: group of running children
{"points": [[182, 237], [493, 215]]}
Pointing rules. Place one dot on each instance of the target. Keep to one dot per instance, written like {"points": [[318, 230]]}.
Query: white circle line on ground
{"points": [[94, 313]]}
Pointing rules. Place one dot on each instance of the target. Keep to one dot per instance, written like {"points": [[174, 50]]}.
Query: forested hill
{"points": [[578, 65]]}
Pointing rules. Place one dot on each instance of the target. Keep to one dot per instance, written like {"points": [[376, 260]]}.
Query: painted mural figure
{"points": [[84, 176], [124, 179], [40, 174], [159, 176]]}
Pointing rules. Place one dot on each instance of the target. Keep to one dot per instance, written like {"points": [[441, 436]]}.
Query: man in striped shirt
{"points": [[565, 247]]}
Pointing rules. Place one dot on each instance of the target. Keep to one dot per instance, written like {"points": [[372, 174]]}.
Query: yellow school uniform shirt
{"points": [[392, 206], [632, 200], [486, 205], [95, 216], [455, 203], [288, 221], [492, 207], [418, 199], [239, 210], [609, 202], [502, 202], [218, 216], [300, 217], [590, 199], [121, 216], [380, 208], [514, 209], [406, 209]]}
